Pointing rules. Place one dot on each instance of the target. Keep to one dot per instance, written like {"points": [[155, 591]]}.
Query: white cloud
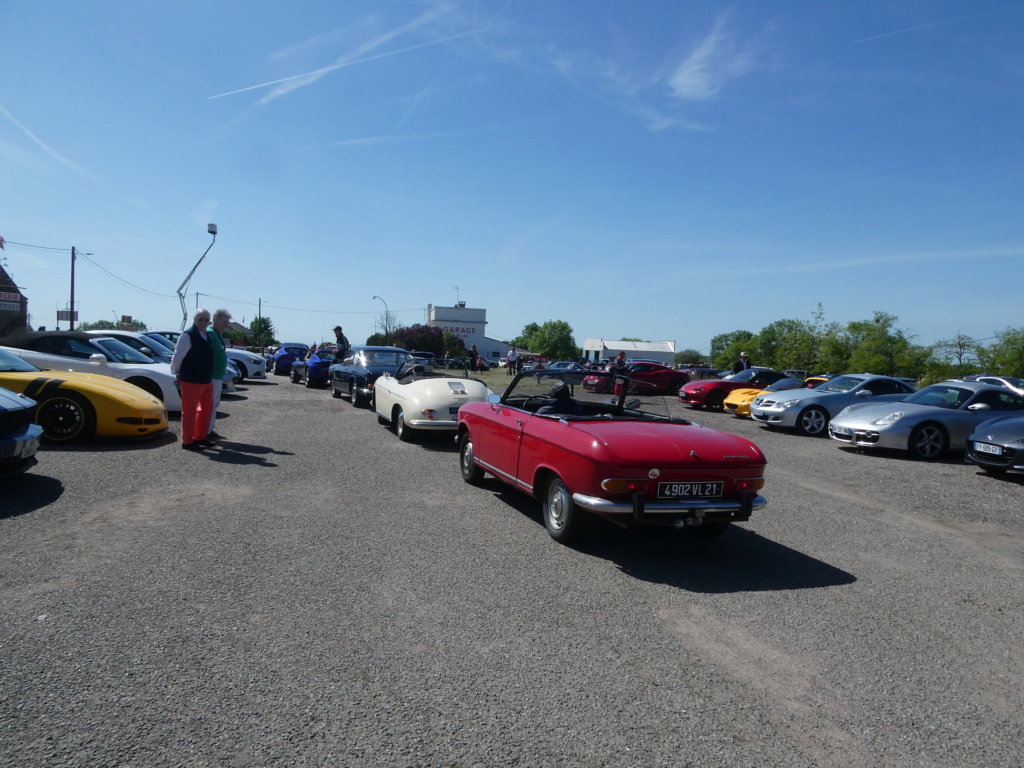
{"points": [[716, 60]]}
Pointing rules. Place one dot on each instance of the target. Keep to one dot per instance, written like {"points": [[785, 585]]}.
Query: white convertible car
{"points": [[84, 352], [415, 399]]}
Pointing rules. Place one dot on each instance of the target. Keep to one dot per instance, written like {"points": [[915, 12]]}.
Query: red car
{"points": [[581, 453], [711, 393], [662, 377]]}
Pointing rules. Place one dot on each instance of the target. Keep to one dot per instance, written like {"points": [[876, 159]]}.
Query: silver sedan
{"points": [[929, 422]]}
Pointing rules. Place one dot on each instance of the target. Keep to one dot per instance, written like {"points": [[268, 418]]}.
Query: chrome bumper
{"points": [[639, 507]]}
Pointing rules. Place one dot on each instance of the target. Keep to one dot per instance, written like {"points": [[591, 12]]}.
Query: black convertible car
{"points": [[354, 376]]}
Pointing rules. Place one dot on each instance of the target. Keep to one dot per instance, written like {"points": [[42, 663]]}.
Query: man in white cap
{"points": [[742, 364]]}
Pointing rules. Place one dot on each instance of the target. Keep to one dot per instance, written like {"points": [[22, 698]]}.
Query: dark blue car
{"points": [[314, 371], [19, 437], [354, 376]]}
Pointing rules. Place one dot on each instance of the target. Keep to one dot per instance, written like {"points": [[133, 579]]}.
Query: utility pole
{"points": [[71, 315]]}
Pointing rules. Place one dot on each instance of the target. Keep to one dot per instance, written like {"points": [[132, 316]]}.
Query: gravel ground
{"points": [[315, 592]]}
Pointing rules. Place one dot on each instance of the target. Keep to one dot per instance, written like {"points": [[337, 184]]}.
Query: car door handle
{"points": [[520, 422]]}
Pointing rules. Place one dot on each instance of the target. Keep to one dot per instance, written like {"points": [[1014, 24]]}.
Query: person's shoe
{"points": [[195, 445], [214, 436], [202, 443]]}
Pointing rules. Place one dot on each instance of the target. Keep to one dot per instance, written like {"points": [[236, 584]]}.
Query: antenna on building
{"points": [[456, 289]]}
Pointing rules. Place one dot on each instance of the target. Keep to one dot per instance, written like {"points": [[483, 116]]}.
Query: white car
{"points": [[416, 399], [87, 353]]}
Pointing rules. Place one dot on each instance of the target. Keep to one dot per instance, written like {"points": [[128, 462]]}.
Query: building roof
{"points": [[668, 347]]}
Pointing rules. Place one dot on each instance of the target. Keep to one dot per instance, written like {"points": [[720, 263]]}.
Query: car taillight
{"points": [[748, 484], [428, 412], [623, 485]]}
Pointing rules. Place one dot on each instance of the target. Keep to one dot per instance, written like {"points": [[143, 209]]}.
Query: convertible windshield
{"points": [[385, 357], [842, 384], [586, 395], [941, 396], [9, 363], [122, 352]]}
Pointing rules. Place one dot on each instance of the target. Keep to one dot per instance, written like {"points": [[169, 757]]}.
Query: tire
{"points": [[715, 401], [813, 421], [66, 417], [293, 376], [335, 392], [404, 431], [675, 385], [353, 396], [149, 386], [928, 442], [309, 381], [563, 519], [243, 372], [470, 472]]}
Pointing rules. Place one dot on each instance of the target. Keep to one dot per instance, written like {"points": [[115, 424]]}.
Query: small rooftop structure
{"points": [[660, 351]]}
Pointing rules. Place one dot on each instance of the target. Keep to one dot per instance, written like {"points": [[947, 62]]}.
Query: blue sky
{"points": [[660, 170]]}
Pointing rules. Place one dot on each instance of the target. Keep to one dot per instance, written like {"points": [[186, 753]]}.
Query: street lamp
{"points": [[386, 313], [211, 229]]}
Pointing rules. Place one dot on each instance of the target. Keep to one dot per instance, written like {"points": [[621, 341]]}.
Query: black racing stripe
{"points": [[36, 386]]}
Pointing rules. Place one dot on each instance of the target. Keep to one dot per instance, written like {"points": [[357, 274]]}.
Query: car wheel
{"points": [[404, 432], [928, 441], [471, 473], [294, 376], [149, 386], [66, 417], [562, 518], [812, 421], [675, 385], [708, 530], [335, 392], [243, 372], [309, 381], [715, 401], [353, 396]]}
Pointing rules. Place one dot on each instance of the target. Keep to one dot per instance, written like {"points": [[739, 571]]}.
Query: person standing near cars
{"points": [[221, 318], [510, 362], [618, 365], [192, 366], [742, 364], [341, 345]]}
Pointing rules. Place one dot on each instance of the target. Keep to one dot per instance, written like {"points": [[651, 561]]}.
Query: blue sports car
{"points": [[19, 437], [285, 355], [314, 371]]}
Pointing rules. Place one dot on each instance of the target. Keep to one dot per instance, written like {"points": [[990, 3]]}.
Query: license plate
{"points": [[701, 490], [30, 448], [757, 412], [840, 430], [995, 450], [453, 410]]}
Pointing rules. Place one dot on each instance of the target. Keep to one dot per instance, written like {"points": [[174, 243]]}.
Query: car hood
{"points": [[870, 411], [663, 444], [87, 382], [1003, 429]]}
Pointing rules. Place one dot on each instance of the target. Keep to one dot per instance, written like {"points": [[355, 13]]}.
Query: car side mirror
{"points": [[493, 399], [147, 351], [632, 405], [979, 407], [97, 359], [864, 393]]}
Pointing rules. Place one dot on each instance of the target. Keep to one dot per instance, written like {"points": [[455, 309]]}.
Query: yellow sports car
{"points": [[75, 406], [739, 400]]}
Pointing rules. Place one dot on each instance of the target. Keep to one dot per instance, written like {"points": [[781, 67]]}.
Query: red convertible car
{"points": [[711, 393], [663, 378], [583, 454]]}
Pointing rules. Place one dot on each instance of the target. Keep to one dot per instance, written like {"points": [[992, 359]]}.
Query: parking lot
{"points": [[315, 592]]}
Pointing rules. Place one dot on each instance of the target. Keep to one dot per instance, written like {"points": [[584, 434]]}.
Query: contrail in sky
{"points": [[45, 147], [350, 63], [935, 24]]}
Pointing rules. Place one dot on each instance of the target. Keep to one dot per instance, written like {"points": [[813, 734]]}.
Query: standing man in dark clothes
{"points": [[742, 364], [192, 366], [341, 345]]}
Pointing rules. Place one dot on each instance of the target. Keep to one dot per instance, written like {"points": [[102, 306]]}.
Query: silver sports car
{"points": [[929, 422], [810, 410]]}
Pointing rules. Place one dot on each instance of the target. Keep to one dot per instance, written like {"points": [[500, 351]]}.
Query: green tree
{"points": [[262, 330], [553, 340], [688, 356], [523, 339], [423, 338], [726, 347], [1006, 355], [110, 325], [453, 345]]}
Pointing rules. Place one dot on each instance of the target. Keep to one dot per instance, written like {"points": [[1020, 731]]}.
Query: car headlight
{"points": [[788, 403], [885, 421]]}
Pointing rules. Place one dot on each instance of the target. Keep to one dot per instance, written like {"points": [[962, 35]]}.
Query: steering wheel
{"points": [[526, 402]]}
